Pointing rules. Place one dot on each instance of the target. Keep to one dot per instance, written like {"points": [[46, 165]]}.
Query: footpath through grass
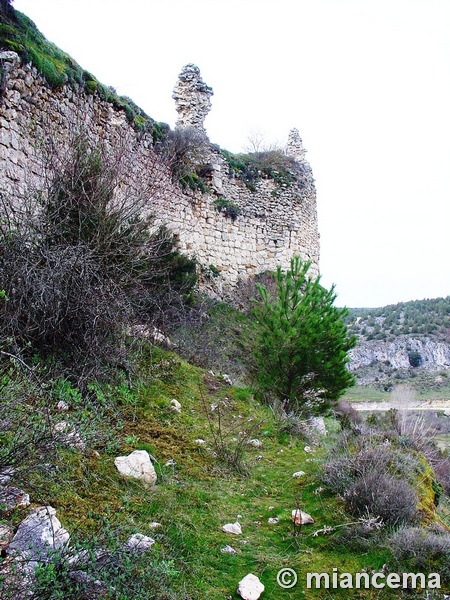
{"points": [[196, 493]]}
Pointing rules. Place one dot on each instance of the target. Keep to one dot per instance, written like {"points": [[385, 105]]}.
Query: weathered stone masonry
{"points": [[274, 222]]}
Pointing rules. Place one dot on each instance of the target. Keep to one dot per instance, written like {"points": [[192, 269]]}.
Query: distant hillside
{"points": [[430, 318], [400, 341]]}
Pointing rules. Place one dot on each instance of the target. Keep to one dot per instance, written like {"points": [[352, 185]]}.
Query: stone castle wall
{"points": [[274, 221]]}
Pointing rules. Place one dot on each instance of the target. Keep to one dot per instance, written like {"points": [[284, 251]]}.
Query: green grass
{"points": [[194, 498], [361, 393]]}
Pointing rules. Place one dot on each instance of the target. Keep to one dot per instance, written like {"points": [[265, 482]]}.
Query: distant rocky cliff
{"points": [[401, 341], [403, 353]]}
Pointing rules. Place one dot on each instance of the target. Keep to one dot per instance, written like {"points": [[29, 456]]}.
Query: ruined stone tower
{"points": [[192, 98]]}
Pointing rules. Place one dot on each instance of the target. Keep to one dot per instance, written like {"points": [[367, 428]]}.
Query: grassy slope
{"points": [[193, 499]]}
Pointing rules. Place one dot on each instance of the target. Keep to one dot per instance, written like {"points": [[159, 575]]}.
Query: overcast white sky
{"points": [[366, 82]]}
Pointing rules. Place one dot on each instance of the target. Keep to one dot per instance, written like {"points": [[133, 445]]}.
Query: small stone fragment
{"points": [[140, 543], [273, 520], [298, 474], [233, 528], [175, 406], [10, 497], [227, 379], [6, 535], [228, 550], [255, 443], [301, 518], [5, 475]]}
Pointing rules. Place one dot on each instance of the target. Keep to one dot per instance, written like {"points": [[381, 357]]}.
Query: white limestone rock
{"points": [[317, 424], [137, 465], [250, 587], [68, 435], [140, 543], [175, 406], [62, 406], [301, 518], [255, 443], [38, 535], [298, 474], [233, 528]]}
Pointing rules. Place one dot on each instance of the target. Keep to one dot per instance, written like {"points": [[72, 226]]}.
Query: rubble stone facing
{"points": [[274, 222]]}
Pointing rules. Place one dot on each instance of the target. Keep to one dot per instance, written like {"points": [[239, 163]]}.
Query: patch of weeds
{"points": [[192, 181], [228, 208]]}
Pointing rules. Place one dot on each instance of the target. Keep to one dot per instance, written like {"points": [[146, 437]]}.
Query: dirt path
{"points": [[436, 404]]}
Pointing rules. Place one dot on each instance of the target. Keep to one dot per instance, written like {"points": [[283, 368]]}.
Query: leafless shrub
{"points": [[355, 457], [360, 536], [257, 142], [81, 256], [425, 549], [382, 495], [25, 423], [229, 438], [347, 415], [403, 396], [186, 151]]}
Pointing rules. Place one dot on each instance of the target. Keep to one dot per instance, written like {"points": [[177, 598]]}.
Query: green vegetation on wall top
{"points": [[271, 164], [19, 34]]}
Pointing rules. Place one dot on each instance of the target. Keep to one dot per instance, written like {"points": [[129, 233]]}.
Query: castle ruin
{"points": [[273, 220]]}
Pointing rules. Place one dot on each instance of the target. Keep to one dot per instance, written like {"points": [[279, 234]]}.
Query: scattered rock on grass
{"points": [[298, 474], [68, 435], [228, 550], [227, 379], [301, 518], [250, 588], [255, 443], [39, 535], [233, 528], [6, 535], [175, 406], [140, 543], [137, 465]]}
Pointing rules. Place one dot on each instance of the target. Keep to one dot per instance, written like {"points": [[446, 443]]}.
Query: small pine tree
{"points": [[302, 342]]}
